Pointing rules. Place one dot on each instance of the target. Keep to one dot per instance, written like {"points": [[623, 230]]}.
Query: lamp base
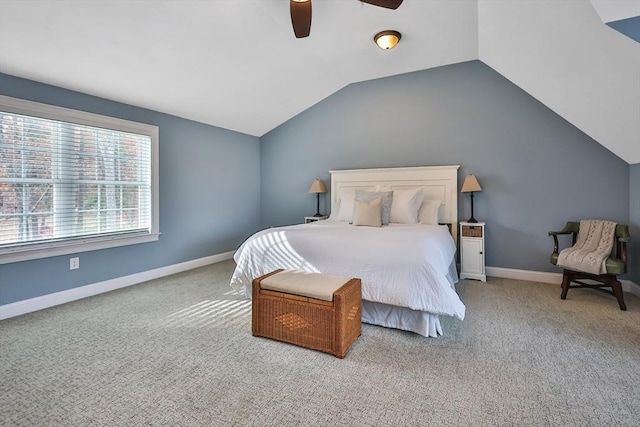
{"points": [[472, 219], [318, 214]]}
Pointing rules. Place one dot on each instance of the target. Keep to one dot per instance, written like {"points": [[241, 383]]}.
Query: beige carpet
{"points": [[178, 351]]}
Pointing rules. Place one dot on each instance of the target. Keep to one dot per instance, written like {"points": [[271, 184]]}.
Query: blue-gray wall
{"points": [[536, 169], [634, 222], [209, 198]]}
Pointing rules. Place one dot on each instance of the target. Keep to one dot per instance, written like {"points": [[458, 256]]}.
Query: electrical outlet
{"points": [[74, 263]]}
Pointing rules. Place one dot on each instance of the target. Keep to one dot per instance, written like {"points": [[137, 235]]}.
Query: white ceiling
{"points": [[236, 63], [615, 10], [562, 54]]}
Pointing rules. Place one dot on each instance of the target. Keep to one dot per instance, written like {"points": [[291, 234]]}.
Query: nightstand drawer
{"points": [[471, 231]]}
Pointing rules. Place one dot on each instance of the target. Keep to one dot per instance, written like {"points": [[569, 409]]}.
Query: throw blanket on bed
{"points": [[593, 246]]}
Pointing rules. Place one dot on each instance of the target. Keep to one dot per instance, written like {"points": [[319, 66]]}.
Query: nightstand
{"points": [[308, 219], [472, 251]]}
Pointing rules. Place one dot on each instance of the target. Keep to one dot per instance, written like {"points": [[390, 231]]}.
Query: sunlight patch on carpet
{"points": [[209, 311]]}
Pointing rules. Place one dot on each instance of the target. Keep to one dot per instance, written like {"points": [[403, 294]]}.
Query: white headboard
{"points": [[439, 182]]}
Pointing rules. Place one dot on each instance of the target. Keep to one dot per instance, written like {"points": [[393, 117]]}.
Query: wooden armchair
{"points": [[616, 264]]}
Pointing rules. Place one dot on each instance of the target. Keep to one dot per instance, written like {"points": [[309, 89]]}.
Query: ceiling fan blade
{"points": [[300, 17], [389, 4]]}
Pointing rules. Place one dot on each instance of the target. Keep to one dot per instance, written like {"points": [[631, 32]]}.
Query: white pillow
{"points": [[405, 206], [429, 212], [368, 213], [345, 210]]}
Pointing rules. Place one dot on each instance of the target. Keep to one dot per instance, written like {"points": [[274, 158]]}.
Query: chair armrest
{"points": [[570, 228], [557, 233], [555, 242], [622, 233]]}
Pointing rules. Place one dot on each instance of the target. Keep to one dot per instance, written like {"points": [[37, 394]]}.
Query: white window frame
{"points": [[77, 245]]}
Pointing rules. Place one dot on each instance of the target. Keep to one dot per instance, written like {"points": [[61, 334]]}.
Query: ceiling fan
{"points": [[301, 13]]}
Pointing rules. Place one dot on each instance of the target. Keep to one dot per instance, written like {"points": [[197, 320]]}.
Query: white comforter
{"points": [[401, 265]]}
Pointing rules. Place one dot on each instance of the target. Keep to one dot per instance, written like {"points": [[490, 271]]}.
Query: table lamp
{"points": [[470, 185], [318, 187]]}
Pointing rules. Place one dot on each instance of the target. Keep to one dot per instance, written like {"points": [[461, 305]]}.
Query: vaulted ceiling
{"points": [[236, 63]]}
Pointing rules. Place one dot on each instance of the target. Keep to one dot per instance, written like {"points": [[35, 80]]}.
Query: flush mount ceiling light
{"points": [[387, 39]]}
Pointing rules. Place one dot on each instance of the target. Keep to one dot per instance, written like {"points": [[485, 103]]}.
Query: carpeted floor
{"points": [[178, 351]]}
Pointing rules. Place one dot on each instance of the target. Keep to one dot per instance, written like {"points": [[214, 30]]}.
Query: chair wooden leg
{"points": [[616, 286], [566, 280], [606, 280]]}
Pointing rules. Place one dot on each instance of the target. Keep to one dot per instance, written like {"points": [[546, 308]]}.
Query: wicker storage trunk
{"points": [[329, 326]]}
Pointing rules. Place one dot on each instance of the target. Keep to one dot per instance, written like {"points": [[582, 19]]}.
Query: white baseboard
{"points": [[532, 276], [546, 277], [631, 287], [38, 303]]}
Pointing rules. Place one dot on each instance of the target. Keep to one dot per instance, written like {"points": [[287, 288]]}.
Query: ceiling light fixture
{"points": [[387, 39]]}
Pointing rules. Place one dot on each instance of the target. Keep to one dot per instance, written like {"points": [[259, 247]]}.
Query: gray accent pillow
{"points": [[387, 199]]}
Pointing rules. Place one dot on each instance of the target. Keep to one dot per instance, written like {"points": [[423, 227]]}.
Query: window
{"points": [[72, 181]]}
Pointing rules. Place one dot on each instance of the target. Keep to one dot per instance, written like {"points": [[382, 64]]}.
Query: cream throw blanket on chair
{"points": [[592, 248]]}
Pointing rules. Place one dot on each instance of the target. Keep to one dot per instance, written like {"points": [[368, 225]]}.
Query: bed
{"points": [[407, 269]]}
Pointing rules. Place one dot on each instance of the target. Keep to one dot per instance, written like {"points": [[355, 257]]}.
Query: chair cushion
{"points": [[614, 266]]}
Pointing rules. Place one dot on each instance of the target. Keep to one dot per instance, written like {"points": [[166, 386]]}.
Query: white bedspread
{"points": [[401, 265]]}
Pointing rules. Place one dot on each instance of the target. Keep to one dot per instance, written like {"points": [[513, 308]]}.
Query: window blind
{"points": [[63, 182]]}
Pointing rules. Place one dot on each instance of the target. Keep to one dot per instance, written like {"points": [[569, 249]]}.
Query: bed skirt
{"points": [[390, 316]]}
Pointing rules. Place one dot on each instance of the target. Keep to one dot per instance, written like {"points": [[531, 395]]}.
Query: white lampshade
{"points": [[318, 187], [470, 184]]}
